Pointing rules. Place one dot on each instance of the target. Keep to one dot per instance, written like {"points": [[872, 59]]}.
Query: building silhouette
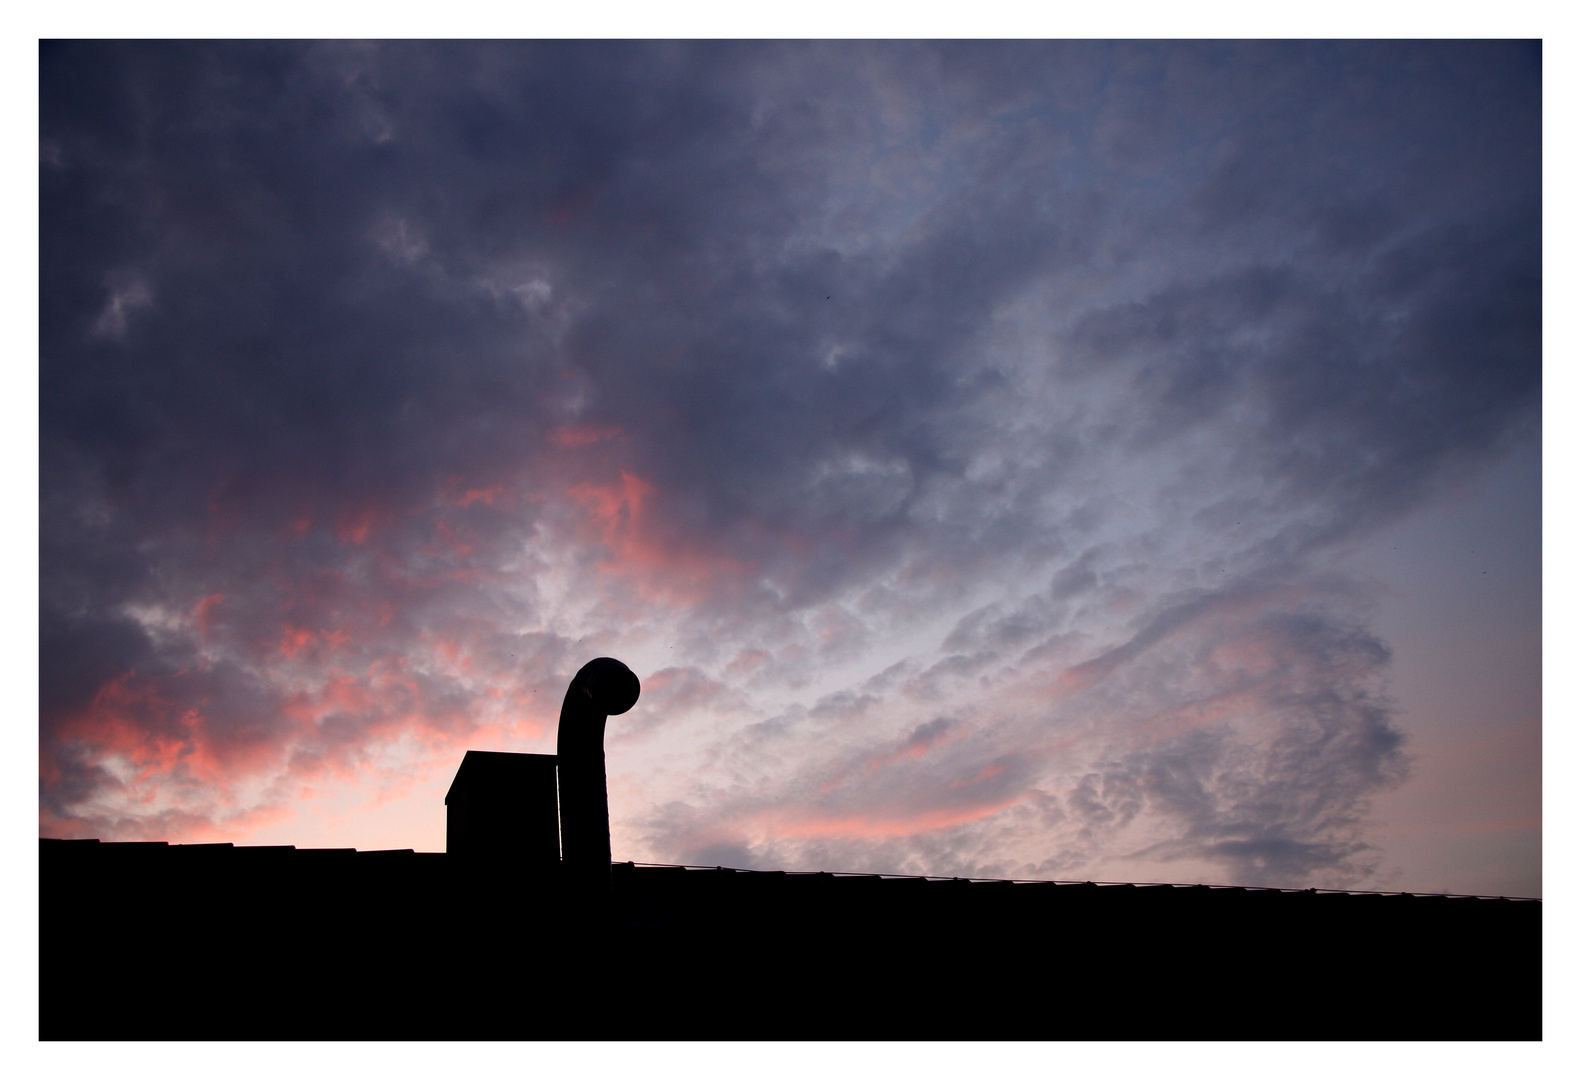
{"points": [[504, 807], [518, 931]]}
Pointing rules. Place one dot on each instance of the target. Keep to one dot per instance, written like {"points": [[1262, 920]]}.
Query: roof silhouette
{"points": [[216, 942]]}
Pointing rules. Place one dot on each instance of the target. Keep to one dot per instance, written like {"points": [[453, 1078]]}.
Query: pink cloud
{"points": [[620, 516], [356, 526], [576, 436], [877, 824]]}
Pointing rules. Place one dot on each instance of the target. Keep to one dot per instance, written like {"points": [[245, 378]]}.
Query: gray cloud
{"points": [[1241, 735]]}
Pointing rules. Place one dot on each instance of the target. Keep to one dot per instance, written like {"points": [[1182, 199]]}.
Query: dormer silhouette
{"points": [[504, 806]]}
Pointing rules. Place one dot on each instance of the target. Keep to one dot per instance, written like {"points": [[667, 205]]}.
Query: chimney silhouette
{"points": [[603, 688], [533, 810], [504, 806]]}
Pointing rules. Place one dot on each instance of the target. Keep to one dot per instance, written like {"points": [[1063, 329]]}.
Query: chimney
{"points": [[603, 688]]}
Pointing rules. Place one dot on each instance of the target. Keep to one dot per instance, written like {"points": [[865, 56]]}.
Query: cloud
{"points": [[1245, 742], [845, 388], [1264, 765]]}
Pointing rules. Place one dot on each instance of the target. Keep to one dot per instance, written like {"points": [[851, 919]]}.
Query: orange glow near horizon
{"points": [[877, 825]]}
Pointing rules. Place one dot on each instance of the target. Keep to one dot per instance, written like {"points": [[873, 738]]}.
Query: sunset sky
{"points": [[1074, 460]]}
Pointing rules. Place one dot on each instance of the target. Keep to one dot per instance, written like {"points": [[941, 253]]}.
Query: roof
{"points": [[220, 941], [498, 771], [632, 871]]}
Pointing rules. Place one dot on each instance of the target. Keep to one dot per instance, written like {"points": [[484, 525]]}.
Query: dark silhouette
{"points": [[504, 807], [497, 939], [603, 688], [534, 812]]}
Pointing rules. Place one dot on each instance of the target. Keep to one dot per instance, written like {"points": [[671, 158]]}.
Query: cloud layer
{"points": [[950, 435]]}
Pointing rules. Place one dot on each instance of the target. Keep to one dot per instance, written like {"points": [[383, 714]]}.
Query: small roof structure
{"points": [[504, 806]]}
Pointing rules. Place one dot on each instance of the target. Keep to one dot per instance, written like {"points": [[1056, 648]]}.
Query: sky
{"points": [[1088, 461]]}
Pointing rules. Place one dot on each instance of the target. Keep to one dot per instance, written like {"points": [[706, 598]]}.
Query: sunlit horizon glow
{"points": [[1075, 460]]}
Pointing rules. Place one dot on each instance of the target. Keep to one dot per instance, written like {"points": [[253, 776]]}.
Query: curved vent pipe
{"points": [[603, 688]]}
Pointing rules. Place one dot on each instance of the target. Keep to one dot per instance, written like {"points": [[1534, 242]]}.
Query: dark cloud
{"points": [[381, 385], [925, 735]]}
